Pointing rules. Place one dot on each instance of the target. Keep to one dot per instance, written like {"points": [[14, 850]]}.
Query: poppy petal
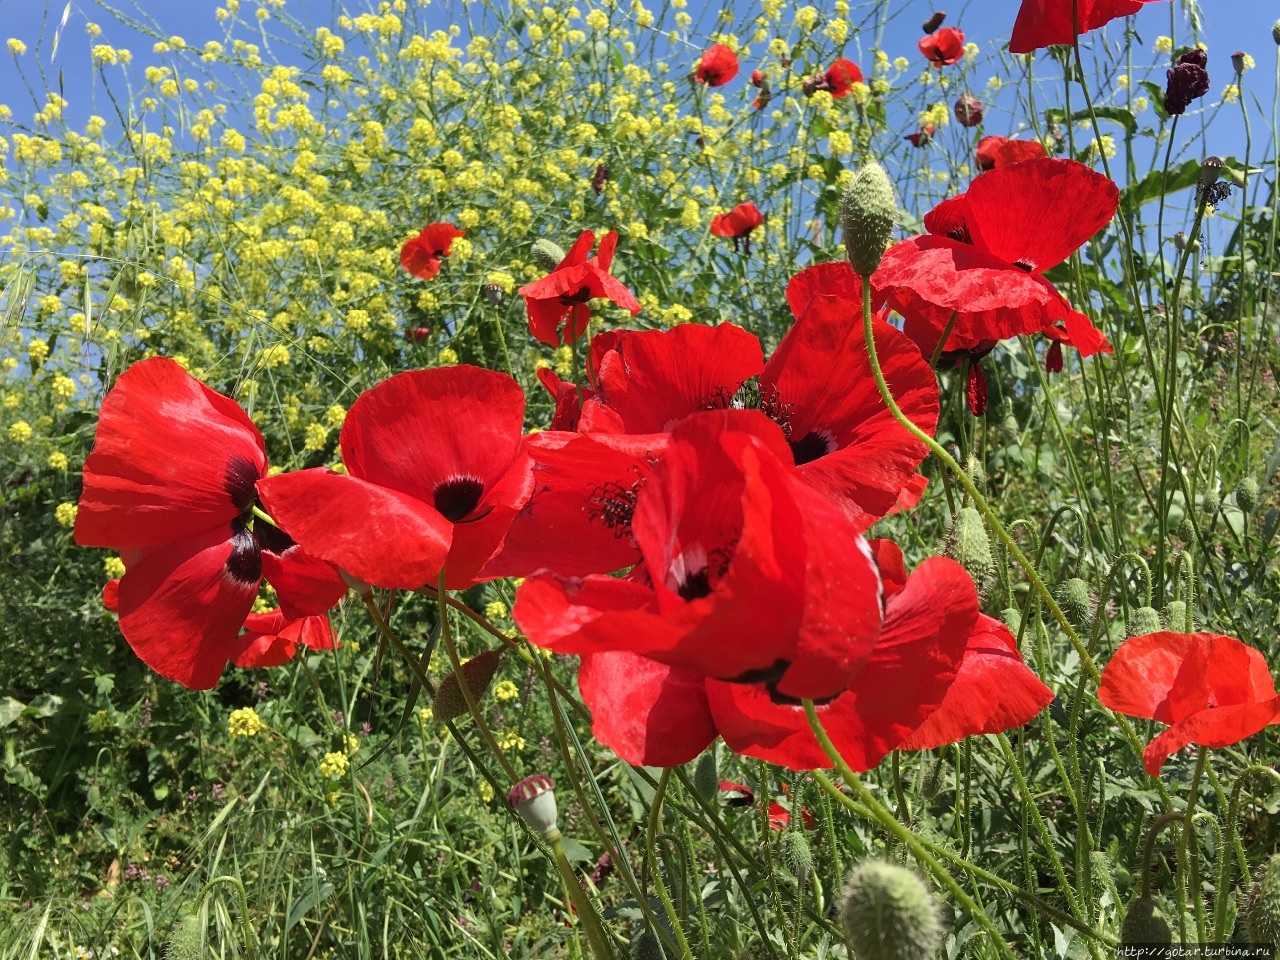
{"points": [[593, 614], [1045, 23], [1217, 727]]}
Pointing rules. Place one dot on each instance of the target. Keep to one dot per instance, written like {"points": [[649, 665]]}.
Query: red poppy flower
{"points": [[993, 152], [734, 544], [421, 255], [1046, 23], [757, 78], [1212, 690], [271, 639], [565, 293], [910, 494], [987, 249], [922, 137], [736, 794], [738, 222], [651, 716], [170, 484], [717, 67], [943, 47], [780, 817], [841, 76], [436, 469]]}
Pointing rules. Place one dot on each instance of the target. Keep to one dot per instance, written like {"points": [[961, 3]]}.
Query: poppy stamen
{"points": [[238, 480]]}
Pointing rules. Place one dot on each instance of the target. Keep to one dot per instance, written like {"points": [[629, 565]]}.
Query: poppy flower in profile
{"points": [[983, 259], [271, 639], [922, 137], [738, 223], [997, 151], [564, 295], [436, 469], [1211, 690], [717, 67], [421, 256], [170, 485], [1046, 23], [943, 47]]}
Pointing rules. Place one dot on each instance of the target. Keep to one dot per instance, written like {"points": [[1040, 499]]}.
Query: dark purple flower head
{"points": [[1188, 80]]}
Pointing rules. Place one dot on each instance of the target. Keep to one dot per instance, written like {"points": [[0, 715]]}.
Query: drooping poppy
{"points": [[748, 573], [564, 295], [436, 469], [983, 260], [170, 484], [922, 137], [421, 256], [1046, 23], [1210, 689], [271, 639], [717, 67], [995, 151], [738, 223], [943, 47]]}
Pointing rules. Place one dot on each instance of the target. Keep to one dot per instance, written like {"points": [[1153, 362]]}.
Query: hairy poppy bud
{"points": [[938, 18], [706, 781], [534, 798], [1144, 924], [888, 914], [932, 780], [1012, 618], [797, 854], [547, 255], [400, 770], [187, 940], [1247, 495], [968, 543], [1145, 620], [868, 211], [968, 110], [1175, 616], [1073, 597], [1262, 912], [647, 946]]}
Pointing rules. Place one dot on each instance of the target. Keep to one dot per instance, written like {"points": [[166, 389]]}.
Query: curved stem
{"points": [[249, 940]]}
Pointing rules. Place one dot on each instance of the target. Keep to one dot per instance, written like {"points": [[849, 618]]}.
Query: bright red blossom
{"points": [[738, 222], [271, 639], [563, 296], [717, 67], [997, 151], [943, 47], [1045, 23], [421, 255], [1211, 690], [841, 76]]}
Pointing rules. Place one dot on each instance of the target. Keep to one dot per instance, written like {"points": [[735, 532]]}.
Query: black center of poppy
{"points": [[458, 497], [1025, 266], [960, 234], [273, 539], [244, 565], [614, 505], [810, 447], [239, 480], [770, 674], [581, 295], [696, 585]]}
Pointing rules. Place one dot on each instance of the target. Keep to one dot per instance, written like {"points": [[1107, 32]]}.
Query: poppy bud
{"points": [[1175, 616], [1210, 171], [1247, 495], [868, 211], [1262, 913], [1073, 597], [1012, 618], [969, 545], [932, 780], [400, 770], [1145, 620], [977, 472], [450, 703], [547, 255], [187, 940], [888, 914], [706, 781], [647, 946], [968, 110], [757, 78], [492, 292], [1144, 924], [534, 798], [1275, 32], [938, 17], [1237, 61], [797, 854]]}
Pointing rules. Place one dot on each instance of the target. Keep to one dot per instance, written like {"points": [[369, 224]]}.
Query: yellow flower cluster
{"points": [[244, 722]]}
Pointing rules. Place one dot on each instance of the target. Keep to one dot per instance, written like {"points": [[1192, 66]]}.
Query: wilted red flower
{"points": [[1212, 690], [841, 76], [1188, 80], [170, 484], [718, 66], [564, 295], [986, 252], [436, 469], [1046, 23], [968, 110], [922, 137], [762, 99], [421, 255], [996, 151], [943, 47], [271, 639], [738, 223]]}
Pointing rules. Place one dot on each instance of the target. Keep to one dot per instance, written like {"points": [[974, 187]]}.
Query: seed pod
{"points": [[1145, 620], [796, 853], [534, 798], [1275, 32], [187, 940], [1073, 597], [1262, 913], [547, 255], [1247, 495], [1145, 924], [968, 543], [868, 211], [888, 914], [968, 110]]}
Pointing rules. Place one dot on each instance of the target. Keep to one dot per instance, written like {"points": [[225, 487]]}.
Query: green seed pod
{"points": [[1262, 914], [868, 211], [968, 543], [1145, 620], [547, 255], [187, 940], [647, 946], [706, 779], [888, 914], [796, 853], [1145, 924], [1175, 616], [400, 770], [1073, 597], [1247, 495]]}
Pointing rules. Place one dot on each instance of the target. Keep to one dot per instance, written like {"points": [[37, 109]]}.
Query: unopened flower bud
{"points": [[416, 334], [1073, 597], [187, 940], [546, 254], [647, 946], [1247, 495], [705, 778], [797, 854], [1145, 620], [534, 798], [888, 914], [968, 110], [868, 211], [1144, 924], [1175, 616], [1262, 911], [968, 543]]}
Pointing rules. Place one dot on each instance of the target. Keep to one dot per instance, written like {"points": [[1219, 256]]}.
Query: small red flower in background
{"points": [[757, 78], [718, 66], [563, 296], [421, 255], [170, 484], [1211, 690], [1045, 23], [840, 78], [922, 137], [996, 151], [436, 469], [738, 223], [943, 47]]}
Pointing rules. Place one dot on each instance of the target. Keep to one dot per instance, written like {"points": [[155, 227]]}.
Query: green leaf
{"points": [[478, 671], [1118, 115], [1159, 183]]}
